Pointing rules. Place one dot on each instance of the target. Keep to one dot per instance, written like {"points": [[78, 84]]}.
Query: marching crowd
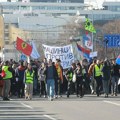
{"points": [[51, 81]]}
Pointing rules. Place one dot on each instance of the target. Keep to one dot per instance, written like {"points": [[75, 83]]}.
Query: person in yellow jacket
{"points": [[29, 78], [98, 76], [69, 76], [7, 83]]}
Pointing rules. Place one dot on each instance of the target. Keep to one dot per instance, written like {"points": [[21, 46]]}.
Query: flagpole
{"points": [[28, 59], [92, 32]]}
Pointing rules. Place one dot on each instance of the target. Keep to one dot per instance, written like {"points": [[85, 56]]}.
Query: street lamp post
{"points": [[106, 43], [65, 26], [92, 32]]}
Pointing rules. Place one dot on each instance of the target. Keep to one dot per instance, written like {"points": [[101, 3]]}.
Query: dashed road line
{"points": [[49, 117], [113, 103], [26, 105]]}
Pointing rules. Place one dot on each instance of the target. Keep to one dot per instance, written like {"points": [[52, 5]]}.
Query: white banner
{"points": [[93, 54], [65, 54]]}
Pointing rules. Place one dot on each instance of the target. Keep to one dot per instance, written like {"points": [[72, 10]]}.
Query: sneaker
{"points": [[77, 95], [55, 97], [51, 99], [112, 94], [59, 96], [45, 96], [6, 99], [97, 95], [92, 92], [26, 97], [67, 96]]}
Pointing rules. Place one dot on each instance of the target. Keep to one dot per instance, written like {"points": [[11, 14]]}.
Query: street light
{"points": [[106, 43]]}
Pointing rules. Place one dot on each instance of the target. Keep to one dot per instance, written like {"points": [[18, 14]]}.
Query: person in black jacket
{"points": [[106, 77], [79, 80], [69, 76], [51, 76], [115, 77]]}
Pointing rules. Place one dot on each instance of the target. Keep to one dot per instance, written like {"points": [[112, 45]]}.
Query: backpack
{"points": [[3, 74]]}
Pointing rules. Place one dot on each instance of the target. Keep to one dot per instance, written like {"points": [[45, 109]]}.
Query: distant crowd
{"points": [[48, 79]]}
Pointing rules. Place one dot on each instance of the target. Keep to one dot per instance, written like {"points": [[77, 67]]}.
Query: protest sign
{"points": [[65, 54]]}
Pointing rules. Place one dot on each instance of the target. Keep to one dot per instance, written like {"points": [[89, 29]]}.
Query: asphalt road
{"points": [[89, 107]]}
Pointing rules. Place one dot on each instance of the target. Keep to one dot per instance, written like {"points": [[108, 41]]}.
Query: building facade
{"points": [[43, 22], [112, 6]]}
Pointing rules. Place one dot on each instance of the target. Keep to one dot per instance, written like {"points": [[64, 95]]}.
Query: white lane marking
{"points": [[26, 105], [111, 103], [51, 118]]}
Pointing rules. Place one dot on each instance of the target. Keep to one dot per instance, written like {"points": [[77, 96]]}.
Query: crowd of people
{"points": [[48, 79]]}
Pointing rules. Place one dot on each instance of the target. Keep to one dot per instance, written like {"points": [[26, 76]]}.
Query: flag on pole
{"points": [[118, 60], [84, 51], [23, 46], [87, 41], [89, 26], [34, 53]]}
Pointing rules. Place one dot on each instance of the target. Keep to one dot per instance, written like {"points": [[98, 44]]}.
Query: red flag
{"points": [[23, 46]]}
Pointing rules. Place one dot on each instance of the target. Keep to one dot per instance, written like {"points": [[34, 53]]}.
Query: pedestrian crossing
{"points": [[17, 111]]}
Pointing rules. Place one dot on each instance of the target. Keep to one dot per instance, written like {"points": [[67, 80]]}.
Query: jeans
{"points": [[106, 86], [69, 88], [20, 88], [114, 84], [50, 87], [35, 84], [6, 88], [29, 90], [99, 84], [92, 84], [43, 88]]}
